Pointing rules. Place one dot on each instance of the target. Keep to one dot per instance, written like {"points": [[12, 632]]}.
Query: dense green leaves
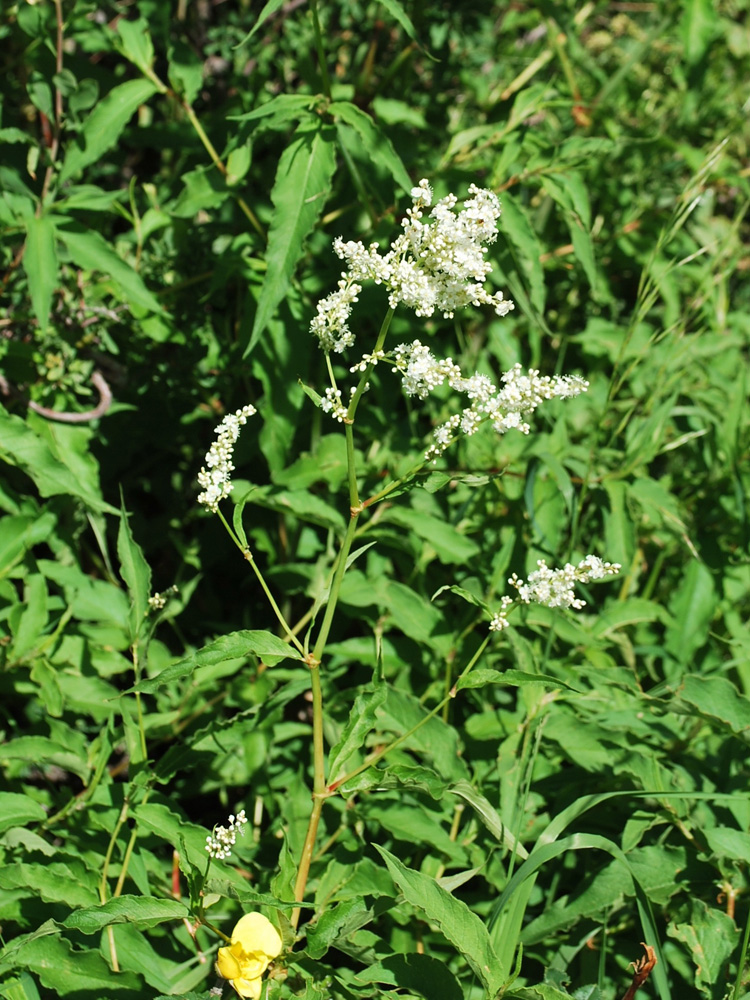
{"points": [[484, 814]]}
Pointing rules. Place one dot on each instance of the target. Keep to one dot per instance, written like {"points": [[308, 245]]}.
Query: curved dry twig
{"points": [[66, 417]]}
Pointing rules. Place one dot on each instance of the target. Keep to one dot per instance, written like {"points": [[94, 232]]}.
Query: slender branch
{"points": [[325, 79], [376, 757]]}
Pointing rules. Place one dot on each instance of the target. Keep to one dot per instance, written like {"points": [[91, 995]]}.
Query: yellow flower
{"points": [[255, 943]]}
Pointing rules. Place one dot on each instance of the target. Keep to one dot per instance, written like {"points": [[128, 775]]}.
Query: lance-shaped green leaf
{"points": [[234, 646], [22, 447], [376, 143], [361, 721], [136, 573], [105, 125], [451, 916], [91, 251], [300, 191], [143, 911], [40, 264]]}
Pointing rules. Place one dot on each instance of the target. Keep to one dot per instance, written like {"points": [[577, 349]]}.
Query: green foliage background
{"points": [[171, 178]]}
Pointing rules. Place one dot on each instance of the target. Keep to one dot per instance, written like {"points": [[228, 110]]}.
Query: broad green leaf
{"points": [[450, 545], [89, 197], [423, 826], [91, 252], [300, 191], [136, 573], [32, 624], [136, 953], [422, 974], [632, 611], [375, 143], [411, 613], [23, 988], [727, 843], [337, 922], [482, 676], [711, 937], [693, 605], [135, 42], [233, 646], [54, 882], [700, 25], [185, 70], [64, 969], [516, 227], [717, 698], [489, 816], [280, 110], [40, 264], [402, 713], [41, 751], [21, 446], [104, 126], [18, 810], [453, 918], [301, 503], [139, 910], [238, 164]]}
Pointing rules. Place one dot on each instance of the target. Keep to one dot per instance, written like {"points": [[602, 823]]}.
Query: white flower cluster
{"points": [[554, 587], [505, 408], [332, 404], [222, 840], [215, 476], [434, 266], [330, 325], [158, 600], [421, 371]]}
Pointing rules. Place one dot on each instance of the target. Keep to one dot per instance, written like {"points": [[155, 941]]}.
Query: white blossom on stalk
{"points": [[221, 841], [330, 324], [434, 266], [216, 475], [421, 370], [554, 587], [504, 408]]}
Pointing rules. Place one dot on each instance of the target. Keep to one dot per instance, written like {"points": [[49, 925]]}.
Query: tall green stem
{"points": [[320, 791], [324, 78]]}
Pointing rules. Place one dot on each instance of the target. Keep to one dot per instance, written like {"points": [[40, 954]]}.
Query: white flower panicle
{"points": [[220, 843], [505, 408], [215, 476], [554, 587], [435, 266]]}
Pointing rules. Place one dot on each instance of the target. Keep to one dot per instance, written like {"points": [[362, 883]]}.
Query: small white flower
{"points": [[222, 840], [215, 476], [367, 359]]}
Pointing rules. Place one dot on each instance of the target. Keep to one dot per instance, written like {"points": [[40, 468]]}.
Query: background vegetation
{"points": [[171, 178]]}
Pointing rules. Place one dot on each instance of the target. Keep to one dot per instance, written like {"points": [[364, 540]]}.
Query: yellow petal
{"points": [[228, 962], [257, 934], [248, 987]]}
